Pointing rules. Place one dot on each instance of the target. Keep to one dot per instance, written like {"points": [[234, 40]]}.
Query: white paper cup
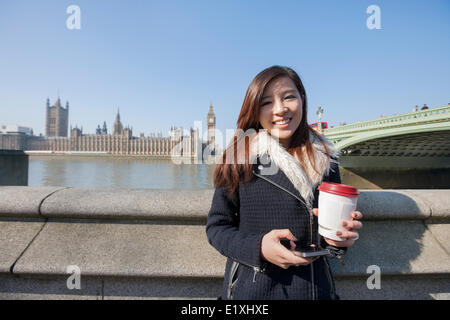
{"points": [[336, 203]]}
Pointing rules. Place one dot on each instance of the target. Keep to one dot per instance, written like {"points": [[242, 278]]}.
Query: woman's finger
{"points": [[284, 233], [353, 224], [346, 243], [316, 212], [347, 234], [293, 245], [357, 215]]}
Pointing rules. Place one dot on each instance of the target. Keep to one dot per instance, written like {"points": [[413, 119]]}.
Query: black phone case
{"points": [[307, 252]]}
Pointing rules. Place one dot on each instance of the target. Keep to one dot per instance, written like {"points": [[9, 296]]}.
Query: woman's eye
{"points": [[290, 97], [266, 103]]}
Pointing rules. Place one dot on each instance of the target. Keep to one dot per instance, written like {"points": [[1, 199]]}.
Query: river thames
{"points": [[117, 172], [134, 172]]}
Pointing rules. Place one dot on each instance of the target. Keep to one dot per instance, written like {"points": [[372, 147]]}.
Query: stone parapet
{"points": [[133, 244], [193, 205], [13, 164]]}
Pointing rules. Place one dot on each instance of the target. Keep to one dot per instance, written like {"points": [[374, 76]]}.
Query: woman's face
{"points": [[281, 109]]}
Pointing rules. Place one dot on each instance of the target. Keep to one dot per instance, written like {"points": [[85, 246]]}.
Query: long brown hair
{"points": [[229, 175]]}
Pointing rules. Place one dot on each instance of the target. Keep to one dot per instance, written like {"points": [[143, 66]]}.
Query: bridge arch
{"points": [[384, 133]]}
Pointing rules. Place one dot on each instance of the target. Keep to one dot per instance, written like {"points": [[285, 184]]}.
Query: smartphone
{"points": [[312, 252], [306, 252]]}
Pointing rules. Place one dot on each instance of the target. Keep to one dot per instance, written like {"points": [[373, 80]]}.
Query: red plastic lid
{"points": [[339, 189]]}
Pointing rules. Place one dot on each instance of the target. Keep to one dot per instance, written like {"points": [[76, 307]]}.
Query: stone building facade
{"points": [[121, 142], [13, 141], [56, 119], [14, 137]]}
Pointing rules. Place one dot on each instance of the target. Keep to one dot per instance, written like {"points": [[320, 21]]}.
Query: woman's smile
{"points": [[283, 123]]}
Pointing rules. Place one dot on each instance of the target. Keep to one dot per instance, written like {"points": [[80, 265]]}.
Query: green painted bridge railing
{"points": [[427, 116]]}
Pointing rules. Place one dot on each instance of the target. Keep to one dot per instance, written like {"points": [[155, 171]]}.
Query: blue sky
{"points": [[163, 62]]}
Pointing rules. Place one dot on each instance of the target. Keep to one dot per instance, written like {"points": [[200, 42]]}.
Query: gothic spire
{"points": [[118, 115]]}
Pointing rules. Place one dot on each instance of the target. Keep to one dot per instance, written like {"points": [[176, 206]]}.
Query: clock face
{"points": [[211, 120]]}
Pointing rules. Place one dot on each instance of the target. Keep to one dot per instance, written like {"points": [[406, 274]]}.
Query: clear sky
{"points": [[163, 62]]}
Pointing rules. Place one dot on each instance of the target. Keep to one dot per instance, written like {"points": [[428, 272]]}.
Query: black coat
{"points": [[236, 228]]}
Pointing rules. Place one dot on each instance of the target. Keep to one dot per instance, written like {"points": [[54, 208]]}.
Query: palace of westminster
{"points": [[121, 141]]}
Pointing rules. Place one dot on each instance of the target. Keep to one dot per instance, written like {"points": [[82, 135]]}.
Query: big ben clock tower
{"points": [[211, 127]]}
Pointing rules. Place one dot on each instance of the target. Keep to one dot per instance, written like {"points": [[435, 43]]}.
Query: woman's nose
{"points": [[279, 107]]}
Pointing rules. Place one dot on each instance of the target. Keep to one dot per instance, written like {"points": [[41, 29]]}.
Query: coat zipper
{"points": [[234, 268], [231, 284], [312, 263], [310, 225], [255, 268]]}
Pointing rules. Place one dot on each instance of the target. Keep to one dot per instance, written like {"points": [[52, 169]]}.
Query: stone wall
{"points": [[151, 244], [13, 168]]}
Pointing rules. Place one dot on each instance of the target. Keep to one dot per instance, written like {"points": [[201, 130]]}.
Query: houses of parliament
{"points": [[120, 142]]}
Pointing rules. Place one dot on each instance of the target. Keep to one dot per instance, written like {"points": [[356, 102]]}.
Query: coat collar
{"points": [[270, 158]]}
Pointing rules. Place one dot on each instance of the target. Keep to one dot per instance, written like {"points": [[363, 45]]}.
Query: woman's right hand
{"points": [[273, 251]]}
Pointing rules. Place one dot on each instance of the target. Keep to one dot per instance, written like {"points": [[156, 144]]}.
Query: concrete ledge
{"points": [[18, 201], [160, 250], [398, 248], [162, 288], [193, 205], [151, 244], [92, 288], [395, 288], [441, 232], [129, 204], [122, 250], [34, 288], [437, 200], [395, 204], [14, 239], [13, 166]]}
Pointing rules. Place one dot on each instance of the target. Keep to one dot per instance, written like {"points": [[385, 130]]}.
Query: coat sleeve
{"points": [[222, 230]]}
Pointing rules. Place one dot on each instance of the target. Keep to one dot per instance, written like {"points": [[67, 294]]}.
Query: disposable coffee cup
{"points": [[336, 203]]}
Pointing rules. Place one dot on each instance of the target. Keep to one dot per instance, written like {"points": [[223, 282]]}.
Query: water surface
{"points": [[117, 172]]}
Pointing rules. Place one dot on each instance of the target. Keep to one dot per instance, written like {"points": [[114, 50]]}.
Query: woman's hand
{"points": [[273, 251], [348, 233]]}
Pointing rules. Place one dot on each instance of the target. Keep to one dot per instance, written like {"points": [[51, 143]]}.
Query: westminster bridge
{"points": [[410, 150]]}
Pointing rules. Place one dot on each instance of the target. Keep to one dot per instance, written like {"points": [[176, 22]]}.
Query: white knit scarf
{"points": [[304, 182]]}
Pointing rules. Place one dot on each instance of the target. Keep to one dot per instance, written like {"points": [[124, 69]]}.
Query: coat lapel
{"points": [[266, 169]]}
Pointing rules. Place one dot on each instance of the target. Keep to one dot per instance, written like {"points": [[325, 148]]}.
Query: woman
{"points": [[266, 191]]}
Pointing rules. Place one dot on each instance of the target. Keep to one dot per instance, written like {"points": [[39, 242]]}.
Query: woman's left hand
{"points": [[349, 232]]}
